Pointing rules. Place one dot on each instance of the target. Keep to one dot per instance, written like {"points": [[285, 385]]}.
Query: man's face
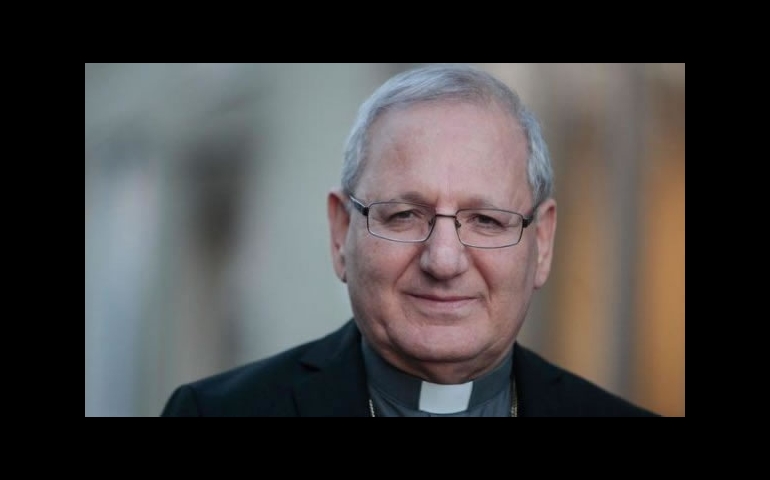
{"points": [[441, 310]]}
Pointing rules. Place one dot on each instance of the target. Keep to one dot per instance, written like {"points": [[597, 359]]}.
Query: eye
{"points": [[402, 215], [407, 214], [398, 213], [486, 220]]}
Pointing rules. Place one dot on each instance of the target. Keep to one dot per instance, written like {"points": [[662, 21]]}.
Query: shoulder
{"points": [[547, 389], [260, 388]]}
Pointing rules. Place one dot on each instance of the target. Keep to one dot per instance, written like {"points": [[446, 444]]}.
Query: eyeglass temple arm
{"points": [[528, 220], [359, 206]]}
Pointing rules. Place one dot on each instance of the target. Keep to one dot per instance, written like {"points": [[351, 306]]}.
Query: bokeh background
{"points": [[206, 239]]}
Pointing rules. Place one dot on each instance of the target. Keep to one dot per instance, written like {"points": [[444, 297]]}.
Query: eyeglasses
{"points": [[413, 223]]}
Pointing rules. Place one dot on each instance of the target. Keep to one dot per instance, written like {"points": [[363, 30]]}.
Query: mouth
{"points": [[442, 303]]}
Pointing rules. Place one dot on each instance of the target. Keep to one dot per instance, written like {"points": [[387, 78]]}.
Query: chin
{"points": [[444, 343]]}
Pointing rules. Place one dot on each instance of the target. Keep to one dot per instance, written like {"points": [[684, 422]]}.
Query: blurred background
{"points": [[206, 239]]}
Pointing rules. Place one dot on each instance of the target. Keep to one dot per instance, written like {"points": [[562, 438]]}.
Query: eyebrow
{"points": [[475, 201], [413, 197]]}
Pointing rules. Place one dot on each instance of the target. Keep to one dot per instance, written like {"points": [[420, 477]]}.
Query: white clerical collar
{"points": [[406, 393], [437, 398]]}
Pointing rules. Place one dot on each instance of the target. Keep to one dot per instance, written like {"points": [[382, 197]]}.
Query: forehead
{"points": [[447, 150]]}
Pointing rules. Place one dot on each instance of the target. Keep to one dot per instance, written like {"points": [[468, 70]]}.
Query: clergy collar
{"points": [[414, 393]]}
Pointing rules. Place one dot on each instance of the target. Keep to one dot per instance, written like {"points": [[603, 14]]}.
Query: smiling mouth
{"points": [[442, 303], [436, 298]]}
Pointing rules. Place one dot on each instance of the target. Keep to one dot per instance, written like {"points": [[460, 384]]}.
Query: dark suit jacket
{"points": [[326, 378]]}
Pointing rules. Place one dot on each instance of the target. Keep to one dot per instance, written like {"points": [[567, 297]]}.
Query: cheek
{"points": [[508, 277], [376, 262]]}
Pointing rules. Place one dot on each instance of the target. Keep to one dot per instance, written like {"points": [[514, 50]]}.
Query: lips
{"points": [[431, 303], [441, 298]]}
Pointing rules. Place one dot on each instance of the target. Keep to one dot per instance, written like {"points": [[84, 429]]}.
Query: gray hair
{"points": [[447, 82]]}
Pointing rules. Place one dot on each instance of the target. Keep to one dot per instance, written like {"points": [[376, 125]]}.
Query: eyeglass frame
{"points": [[364, 210]]}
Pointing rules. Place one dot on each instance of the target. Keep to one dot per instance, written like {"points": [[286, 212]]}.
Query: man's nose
{"points": [[444, 256]]}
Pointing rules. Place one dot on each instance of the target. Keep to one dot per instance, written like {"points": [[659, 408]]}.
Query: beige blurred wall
{"points": [[206, 238]]}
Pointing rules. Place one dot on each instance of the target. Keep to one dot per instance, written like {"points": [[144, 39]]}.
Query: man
{"points": [[443, 229]]}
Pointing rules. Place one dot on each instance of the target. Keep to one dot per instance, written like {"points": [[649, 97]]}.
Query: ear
{"points": [[545, 230], [339, 222]]}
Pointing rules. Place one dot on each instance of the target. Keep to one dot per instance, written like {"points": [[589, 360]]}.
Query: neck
{"points": [[417, 393], [446, 372]]}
